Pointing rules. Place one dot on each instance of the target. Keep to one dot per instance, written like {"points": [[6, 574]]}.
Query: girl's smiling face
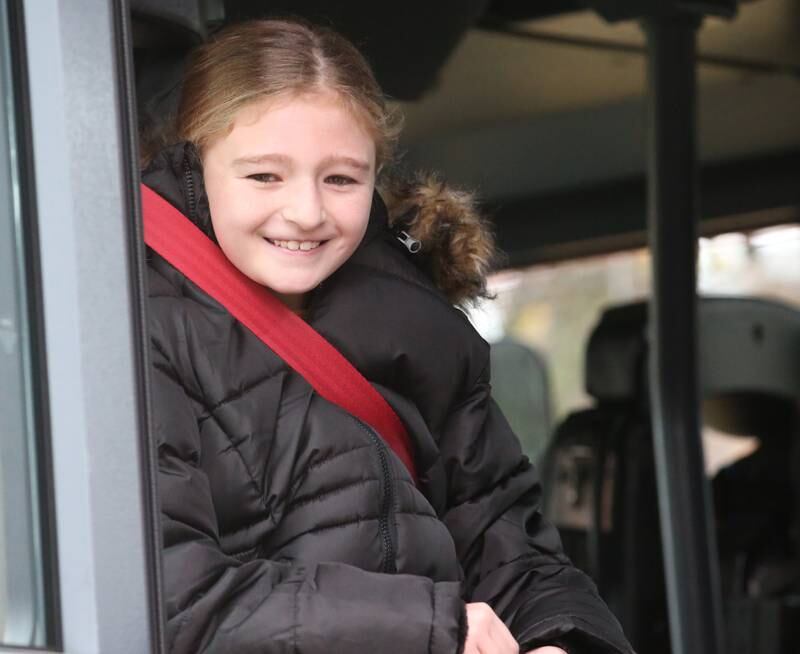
{"points": [[290, 189]]}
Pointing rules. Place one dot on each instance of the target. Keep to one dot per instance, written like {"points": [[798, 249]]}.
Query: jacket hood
{"points": [[457, 244]]}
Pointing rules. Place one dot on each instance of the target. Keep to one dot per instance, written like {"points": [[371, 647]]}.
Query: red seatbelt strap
{"points": [[190, 251]]}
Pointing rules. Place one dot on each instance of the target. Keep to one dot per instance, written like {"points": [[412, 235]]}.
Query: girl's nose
{"points": [[305, 211]]}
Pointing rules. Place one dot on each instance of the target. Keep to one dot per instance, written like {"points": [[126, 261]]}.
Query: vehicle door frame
{"points": [[80, 156]]}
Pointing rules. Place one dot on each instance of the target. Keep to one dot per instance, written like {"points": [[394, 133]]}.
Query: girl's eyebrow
{"points": [[283, 160], [256, 159], [358, 164]]}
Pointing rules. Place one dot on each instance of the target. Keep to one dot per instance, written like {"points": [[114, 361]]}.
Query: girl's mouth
{"points": [[296, 246]]}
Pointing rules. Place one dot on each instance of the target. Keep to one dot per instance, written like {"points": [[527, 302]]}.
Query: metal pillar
{"points": [[690, 555]]}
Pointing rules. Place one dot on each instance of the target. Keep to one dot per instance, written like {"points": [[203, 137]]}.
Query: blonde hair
{"points": [[262, 59]]}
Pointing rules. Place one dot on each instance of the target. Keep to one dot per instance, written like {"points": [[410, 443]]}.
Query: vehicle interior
{"points": [[540, 110]]}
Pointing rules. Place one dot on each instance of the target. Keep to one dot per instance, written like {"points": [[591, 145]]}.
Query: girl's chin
{"points": [[284, 284], [283, 291]]}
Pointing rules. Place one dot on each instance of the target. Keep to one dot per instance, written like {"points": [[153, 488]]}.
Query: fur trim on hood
{"points": [[458, 246]]}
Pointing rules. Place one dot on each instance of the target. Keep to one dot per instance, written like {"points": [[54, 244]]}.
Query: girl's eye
{"points": [[340, 180], [264, 178]]}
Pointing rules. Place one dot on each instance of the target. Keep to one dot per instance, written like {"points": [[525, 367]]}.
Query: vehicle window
{"points": [[21, 579], [597, 466], [552, 310]]}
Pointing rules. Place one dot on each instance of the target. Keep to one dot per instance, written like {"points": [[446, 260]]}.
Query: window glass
{"points": [[552, 310], [21, 582]]}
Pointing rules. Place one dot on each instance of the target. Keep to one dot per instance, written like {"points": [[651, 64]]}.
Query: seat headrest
{"points": [[171, 24], [746, 345], [616, 353]]}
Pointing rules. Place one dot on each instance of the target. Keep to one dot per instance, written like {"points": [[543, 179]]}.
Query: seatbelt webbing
{"points": [[190, 251]]}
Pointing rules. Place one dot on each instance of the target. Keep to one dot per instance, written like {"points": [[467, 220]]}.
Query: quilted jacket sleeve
{"points": [[217, 604], [512, 557]]}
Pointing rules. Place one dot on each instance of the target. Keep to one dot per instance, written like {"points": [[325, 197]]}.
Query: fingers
{"points": [[503, 638], [486, 633]]}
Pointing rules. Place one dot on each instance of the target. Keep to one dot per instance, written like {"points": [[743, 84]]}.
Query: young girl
{"points": [[290, 526]]}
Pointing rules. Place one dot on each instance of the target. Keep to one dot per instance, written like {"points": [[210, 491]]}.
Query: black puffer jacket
{"points": [[290, 527]]}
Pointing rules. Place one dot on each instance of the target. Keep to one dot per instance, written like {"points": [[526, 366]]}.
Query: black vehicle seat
{"points": [[755, 503], [600, 476], [164, 32]]}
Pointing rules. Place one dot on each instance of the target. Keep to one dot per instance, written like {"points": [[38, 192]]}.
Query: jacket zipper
{"points": [[412, 244], [189, 184], [389, 563]]}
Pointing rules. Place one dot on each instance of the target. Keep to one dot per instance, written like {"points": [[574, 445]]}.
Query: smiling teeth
{"points": [[297, 245]]}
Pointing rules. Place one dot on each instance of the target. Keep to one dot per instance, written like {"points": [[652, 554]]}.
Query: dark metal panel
{"points": [[736, 195], [406, 43], [625, 9], [692, 577], [505, 10]]}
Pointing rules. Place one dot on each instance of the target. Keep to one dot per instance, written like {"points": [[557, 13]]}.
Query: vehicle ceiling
{"points": [[544, 116]]}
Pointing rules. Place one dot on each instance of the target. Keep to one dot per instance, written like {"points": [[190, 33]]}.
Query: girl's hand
{"points": [[487, 634]]}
